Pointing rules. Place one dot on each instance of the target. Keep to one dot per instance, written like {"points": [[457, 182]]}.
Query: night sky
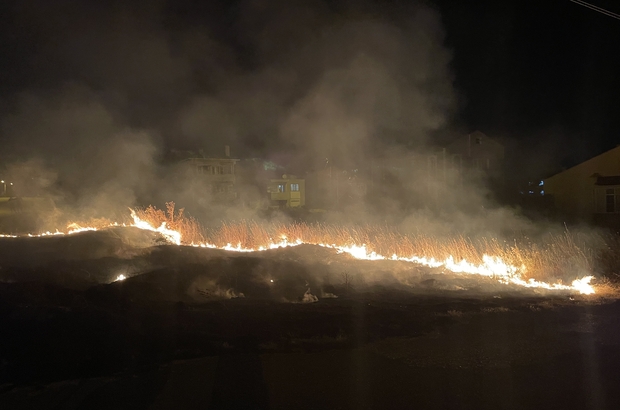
{"points": [[542, 73], [540, 76]]}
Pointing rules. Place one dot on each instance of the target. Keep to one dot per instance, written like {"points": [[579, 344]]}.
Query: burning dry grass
{"points": [[564, 255], [177, 220]]}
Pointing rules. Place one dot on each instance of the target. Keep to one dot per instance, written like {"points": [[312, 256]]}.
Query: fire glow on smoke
{"points": [[491, 266]]}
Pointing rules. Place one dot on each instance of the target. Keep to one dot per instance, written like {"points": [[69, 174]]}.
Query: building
{"points": [[589, 191], [473, 154], [217, 174], [287, 192], [332, 187], [423, 177], [476, 151]]}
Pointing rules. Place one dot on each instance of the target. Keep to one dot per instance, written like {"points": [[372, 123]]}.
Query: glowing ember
{"points": [[491, 266]]}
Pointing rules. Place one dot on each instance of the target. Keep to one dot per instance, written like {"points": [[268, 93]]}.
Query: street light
{"points": [[3, 187]]}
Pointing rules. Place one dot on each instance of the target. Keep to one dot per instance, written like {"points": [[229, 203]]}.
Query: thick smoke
{"points": [[382, 85], [103, 94], [76, 152]]}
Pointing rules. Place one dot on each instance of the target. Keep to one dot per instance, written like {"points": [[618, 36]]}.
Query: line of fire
{"points": [[421, 180], [309, 204]]}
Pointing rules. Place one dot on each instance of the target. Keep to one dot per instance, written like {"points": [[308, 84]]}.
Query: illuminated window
{"points": [[281, 187], [294, 187]]}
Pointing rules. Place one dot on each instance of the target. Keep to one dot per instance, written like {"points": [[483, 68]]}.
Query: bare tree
{"points": [[347, 279]]}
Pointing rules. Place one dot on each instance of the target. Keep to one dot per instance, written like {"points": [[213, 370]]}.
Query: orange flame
{"points": [[490, 266]]}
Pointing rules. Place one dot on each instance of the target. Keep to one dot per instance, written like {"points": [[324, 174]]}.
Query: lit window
{"points": [[281, 187], [294, 187]]}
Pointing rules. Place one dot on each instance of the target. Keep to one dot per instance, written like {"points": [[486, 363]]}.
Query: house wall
{"points": [[293, 199], [574, 192], [218, 173], [478, 151]]}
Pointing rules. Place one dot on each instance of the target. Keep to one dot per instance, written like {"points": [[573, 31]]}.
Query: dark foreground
{"points": [[171, 336]]}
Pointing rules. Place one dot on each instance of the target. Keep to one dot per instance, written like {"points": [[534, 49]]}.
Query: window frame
{"points": [[610, 193]]}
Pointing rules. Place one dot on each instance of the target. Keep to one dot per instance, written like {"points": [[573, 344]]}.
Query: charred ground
{"points": [[303, 326]]}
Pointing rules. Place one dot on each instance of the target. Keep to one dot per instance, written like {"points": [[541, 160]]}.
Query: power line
{"points": [[596, 8]]}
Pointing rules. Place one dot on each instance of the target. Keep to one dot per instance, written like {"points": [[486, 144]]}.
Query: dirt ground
{"points": [[301, 328]]}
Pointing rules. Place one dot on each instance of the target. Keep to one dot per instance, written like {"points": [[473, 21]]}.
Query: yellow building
{"points": [[589, 191], [287, 192]]}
